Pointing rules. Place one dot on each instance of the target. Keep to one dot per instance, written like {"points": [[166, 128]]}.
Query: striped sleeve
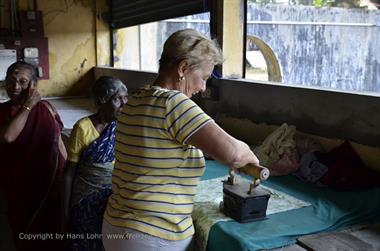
{"points": [[184, 117]]}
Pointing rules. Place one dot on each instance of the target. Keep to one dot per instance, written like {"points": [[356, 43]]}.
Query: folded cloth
{"points": [[278, 151], [310, 168], [286, 165], [341, 169], [346, 170]]}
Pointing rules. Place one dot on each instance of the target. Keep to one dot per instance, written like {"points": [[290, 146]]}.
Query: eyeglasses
{"points": [[23, 82]]}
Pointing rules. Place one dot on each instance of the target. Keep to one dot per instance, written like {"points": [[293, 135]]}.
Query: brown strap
{"points": [[53, 112]]}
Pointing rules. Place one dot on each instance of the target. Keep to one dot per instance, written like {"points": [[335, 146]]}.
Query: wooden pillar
{"points": [[228, 27]]}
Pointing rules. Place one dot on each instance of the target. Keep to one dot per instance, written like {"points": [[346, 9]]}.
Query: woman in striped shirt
{"points": [[160, 140]]}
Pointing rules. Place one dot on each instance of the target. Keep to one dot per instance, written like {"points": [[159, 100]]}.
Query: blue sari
{"points": [[91, 189]]}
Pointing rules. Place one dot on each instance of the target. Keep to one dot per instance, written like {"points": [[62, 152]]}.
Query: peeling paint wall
{"points": [[77, 42], [103, 33], [69, 27], [341, 57]]}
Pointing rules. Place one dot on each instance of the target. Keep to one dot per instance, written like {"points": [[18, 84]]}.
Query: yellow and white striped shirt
{"points": [[156, 172]]}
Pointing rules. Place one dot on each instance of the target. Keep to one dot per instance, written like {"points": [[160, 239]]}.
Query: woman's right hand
{"points": [[10, 130], [244, 156], [32, 96]]}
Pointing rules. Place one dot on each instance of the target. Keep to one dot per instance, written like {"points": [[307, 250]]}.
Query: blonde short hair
{"points": [[191, 45]]}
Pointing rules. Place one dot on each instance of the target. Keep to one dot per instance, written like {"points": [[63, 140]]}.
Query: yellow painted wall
{"points": [[127, 40], [103, 43], [77, 42]]}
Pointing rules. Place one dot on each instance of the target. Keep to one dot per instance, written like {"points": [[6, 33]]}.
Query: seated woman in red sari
{"points": [[87, 178], [32, 160]]}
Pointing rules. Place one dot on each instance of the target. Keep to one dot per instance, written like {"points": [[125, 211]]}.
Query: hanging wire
{"points": [[14, 18]]}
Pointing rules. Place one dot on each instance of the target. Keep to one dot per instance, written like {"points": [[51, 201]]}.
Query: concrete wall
{"points": [[250, 111], [132, 79], [246, 109], [343, 57], [332, 114]]}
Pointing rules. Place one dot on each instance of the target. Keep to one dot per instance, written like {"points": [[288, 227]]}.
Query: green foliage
{"points": [[320, 3]]}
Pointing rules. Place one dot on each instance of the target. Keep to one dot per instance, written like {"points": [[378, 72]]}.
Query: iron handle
{"points": [[256, 171]]}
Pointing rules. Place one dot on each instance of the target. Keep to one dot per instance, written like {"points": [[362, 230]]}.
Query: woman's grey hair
{"points": [[191, 45], [105, 88], [22, 65]]}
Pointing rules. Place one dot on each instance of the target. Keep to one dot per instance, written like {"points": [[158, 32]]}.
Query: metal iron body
{"points": [[244, 201]]}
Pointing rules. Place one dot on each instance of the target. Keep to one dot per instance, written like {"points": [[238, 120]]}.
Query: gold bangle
{"points": [[26, 107]]}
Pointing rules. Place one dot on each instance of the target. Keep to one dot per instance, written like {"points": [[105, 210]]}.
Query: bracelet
{"points": [[26, 107]]}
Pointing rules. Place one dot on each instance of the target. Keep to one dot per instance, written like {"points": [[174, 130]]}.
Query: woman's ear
{"points": [[182, 67]]}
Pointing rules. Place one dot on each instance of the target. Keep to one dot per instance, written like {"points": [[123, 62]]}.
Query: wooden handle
{"points": [[256, 171]]}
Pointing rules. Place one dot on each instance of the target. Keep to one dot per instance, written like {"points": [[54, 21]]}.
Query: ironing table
{"points": [[328, 210]]}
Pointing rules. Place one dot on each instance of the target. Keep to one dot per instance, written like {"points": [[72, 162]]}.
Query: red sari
{"points": [[31, 171]]}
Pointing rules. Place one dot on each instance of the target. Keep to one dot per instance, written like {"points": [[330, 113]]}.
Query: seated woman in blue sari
{"points": [[87, 178]]}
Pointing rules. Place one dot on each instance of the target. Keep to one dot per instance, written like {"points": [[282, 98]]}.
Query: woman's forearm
{"points": [[11, 130], [68, 177], [224, 148]]}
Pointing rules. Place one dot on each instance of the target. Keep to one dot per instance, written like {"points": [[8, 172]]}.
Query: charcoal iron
{"points": [[246, 201]]}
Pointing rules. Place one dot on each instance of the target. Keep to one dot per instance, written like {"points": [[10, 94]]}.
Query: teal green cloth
{"points": [[330, 210]]}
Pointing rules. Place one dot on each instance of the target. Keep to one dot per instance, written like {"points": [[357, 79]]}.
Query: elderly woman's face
{"points": [[115, 105], [17, 83], [196, 79]]}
